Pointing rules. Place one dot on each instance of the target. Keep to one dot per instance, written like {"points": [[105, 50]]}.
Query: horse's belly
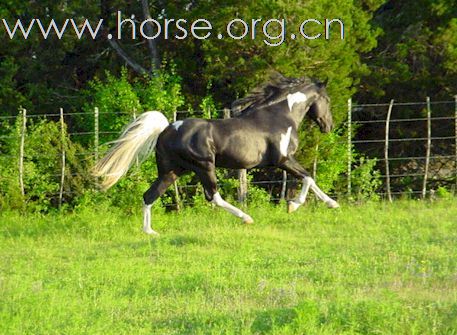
{"points": [[240, 158]]}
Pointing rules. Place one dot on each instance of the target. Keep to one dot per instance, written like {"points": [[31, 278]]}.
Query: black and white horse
{"points": [[262, 133]]}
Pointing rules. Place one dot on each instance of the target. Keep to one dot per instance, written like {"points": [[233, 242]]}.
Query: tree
{"points": [[416, 54]]}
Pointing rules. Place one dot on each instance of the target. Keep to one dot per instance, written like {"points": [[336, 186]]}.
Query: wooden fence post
{"points": [[386, 151], [429, 143], [96, 132], [175, 183], [21, 150], [455, 138], [62, 177], [315, 163], [349, 145], [243, 189], [283, 185]]}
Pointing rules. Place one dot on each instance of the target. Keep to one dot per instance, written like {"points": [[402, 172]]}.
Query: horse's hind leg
{"points": [[209, 181], [158, 187]]}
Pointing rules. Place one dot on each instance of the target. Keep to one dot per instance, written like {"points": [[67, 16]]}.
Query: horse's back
{"points": [[185, 141]]}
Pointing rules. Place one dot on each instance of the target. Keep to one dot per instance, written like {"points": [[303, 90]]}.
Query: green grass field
{"points": [[371, 269]]}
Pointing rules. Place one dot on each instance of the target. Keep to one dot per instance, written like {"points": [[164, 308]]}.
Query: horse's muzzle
{"points": [[326, 127]]}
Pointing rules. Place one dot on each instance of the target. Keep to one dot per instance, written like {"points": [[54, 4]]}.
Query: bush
{"points": [[331, 161], [366, 180], [443, 193], [42, 167], [161, 92]]}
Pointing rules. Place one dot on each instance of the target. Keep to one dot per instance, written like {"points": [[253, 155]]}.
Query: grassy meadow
{"points": [[371, 269]]}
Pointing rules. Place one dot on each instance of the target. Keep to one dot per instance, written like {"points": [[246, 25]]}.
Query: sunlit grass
{"points": [[371, 269]]}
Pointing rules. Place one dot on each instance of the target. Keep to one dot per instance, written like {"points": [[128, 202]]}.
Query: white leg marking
{"points": [[147, 220], [308, 183], [284, 142], [300, 200], [297, 97], [217, 199], [324, 197]]}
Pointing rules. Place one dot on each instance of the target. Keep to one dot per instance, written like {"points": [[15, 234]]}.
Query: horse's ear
{"points": [[276, 76]]}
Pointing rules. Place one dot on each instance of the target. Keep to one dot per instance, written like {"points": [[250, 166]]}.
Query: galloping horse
{"points": [[262, 133]]}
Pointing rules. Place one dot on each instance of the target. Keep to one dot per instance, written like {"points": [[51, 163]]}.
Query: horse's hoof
{"points": [[332, 204], [248, 220], [292, 207], [151, 232]]}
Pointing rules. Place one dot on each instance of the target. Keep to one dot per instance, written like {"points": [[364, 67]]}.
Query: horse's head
{"points": [[319, 111], [304, 96]]}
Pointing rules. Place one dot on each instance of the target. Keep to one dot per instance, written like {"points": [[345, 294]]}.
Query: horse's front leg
{"points": [[293, 167]]}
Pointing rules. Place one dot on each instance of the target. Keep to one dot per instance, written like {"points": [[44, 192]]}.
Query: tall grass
{"points": [[371, 269]]}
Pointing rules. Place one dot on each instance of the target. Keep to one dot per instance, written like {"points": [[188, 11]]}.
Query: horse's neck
{"points": [[298, 113]]}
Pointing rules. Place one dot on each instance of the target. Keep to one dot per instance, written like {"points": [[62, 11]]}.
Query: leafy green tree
{"points": [[416, 54], [48, 73]]}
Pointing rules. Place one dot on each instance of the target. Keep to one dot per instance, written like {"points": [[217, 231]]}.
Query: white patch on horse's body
{"points": [[147, 220], [308, 183], [217, 200], [295, 98], [284, 142], [177, 124]]}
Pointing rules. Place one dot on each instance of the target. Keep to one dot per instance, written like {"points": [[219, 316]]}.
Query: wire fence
{"points": [[415, 145]]}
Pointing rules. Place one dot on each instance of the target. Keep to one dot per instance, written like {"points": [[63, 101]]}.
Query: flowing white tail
{"points": [[137, 141]]}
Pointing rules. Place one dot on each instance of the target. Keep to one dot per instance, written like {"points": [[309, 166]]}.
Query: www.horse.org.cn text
{"points": [[273, 32]]}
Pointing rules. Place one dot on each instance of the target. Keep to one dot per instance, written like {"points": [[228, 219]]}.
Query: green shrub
{"points": [[257, 196], [443, 193], [331, 161], [366, 179], [42, 167], [161, 92]]}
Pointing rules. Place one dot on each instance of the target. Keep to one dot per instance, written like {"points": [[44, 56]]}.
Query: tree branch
{"points": [[134, 65], [105, 14], [152, 45]]}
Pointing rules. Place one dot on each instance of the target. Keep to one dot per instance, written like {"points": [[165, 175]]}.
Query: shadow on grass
{"points": [[183, 240]]}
